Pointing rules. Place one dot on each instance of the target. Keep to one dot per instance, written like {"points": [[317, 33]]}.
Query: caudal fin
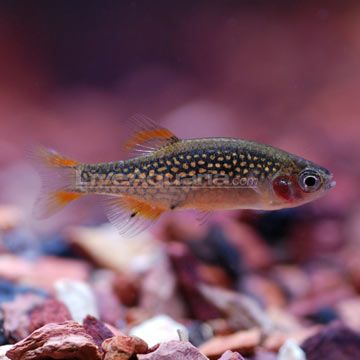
{"points": [[58, 176]]}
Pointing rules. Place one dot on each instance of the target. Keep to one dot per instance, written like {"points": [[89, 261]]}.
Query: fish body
{"points": [[205, 174]]}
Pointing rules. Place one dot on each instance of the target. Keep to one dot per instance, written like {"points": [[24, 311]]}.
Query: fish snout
{"points": [[330, 183]]}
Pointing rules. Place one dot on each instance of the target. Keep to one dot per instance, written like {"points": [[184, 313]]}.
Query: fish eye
{"points": [[309, 181]]}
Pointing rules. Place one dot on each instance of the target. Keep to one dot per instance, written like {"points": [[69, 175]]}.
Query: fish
{"points": [[168, 173]]}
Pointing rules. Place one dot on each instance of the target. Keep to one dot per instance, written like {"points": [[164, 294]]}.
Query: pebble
{"points": [[230, 355], [158, 329], [244, 342], [3, 350], [67, 340], [123, 347], [106, 248], [174, 350], [291, 351], [78, 297]]}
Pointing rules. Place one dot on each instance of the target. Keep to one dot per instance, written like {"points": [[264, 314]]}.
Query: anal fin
{"points": [[131, 215]]}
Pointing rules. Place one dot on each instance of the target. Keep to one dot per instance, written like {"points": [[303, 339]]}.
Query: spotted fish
{"points": [[169, 174]]}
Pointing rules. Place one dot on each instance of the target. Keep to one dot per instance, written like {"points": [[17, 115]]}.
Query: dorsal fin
{"points": [[148, 135]]}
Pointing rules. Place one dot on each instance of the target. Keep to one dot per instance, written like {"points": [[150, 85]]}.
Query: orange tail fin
{"points": [[58, 175]]}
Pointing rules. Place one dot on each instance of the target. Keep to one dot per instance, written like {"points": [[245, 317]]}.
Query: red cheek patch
{"points": [[287, 188], [281, 186]]}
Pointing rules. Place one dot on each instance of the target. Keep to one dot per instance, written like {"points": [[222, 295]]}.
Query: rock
{"points": [[16, 319], [123, 347], [158, 329], [221, 261], [97, 330], [127, 288], [230, 355], [174, 350], [109, 306], [291, 351], [267, 290], [43, 272], [51, 311], [136, 315], [346, 310], [186, 269], [313, 304], [264, 355], [255, 252], [67, 340], [28, 312], [333, 343], [243, 342], [277, 339], [106, 248], [10, 217], [242, 311], [3, 350], [78, 297], [159, 291], [199, 332], [292, 279]]}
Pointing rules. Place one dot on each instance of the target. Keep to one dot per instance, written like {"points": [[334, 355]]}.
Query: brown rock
{"points": [[42, 273], [230, 355], [127, 289], [97, 330], [346, 310], [242, 312], [123, 347], [214, 275], [335, 342], [185, 267], [51, 311], [174, 350], [242, 341], [10, 217], [67, 340]]}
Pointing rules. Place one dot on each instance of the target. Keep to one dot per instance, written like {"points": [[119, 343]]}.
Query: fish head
{"points": [[300, 182]]}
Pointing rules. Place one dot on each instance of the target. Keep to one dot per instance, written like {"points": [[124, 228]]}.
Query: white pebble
{"points": [[291, 351], [78, 297], [159, 329]]}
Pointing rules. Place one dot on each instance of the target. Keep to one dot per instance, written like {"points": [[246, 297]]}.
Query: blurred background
{"points": [[284, 73], [278, 72]]}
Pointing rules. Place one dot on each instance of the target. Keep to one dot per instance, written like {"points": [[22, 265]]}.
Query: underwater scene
{"points": [[180, 180]]}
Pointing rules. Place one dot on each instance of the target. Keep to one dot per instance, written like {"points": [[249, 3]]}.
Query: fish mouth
{"points": [[331, 183]]}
